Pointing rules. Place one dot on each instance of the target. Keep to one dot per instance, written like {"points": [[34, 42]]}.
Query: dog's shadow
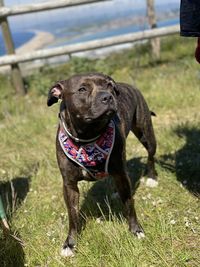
{"points": [[102, 201], [185, 162], [12, 193]]}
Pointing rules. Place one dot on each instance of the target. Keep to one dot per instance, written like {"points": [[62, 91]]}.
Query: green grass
{"points": [[31, 186]]}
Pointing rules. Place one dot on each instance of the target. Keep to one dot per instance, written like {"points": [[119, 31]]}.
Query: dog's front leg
{"points": [[71, 196], [124, 189]]}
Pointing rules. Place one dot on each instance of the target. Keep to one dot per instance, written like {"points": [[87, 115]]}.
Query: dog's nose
{"points": [[106, 98]]}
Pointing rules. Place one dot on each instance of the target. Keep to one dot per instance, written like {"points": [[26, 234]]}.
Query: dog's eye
{"points": [[82, 89]]}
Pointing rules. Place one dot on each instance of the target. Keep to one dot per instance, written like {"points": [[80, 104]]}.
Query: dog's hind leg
{"points": [[143, 130]]}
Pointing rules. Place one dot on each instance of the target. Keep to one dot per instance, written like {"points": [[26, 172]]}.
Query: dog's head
{"points": [[88, 98]]}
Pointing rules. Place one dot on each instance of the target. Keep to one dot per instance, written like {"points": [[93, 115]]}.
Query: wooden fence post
{"points": [[15, 70], [155, 42]]}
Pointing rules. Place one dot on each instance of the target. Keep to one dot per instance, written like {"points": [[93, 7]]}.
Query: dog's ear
{"points": [[114, 86], [55, 93]]}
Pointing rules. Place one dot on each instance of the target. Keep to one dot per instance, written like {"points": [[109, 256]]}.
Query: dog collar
{"points": [[93, 157], [76, 139]]}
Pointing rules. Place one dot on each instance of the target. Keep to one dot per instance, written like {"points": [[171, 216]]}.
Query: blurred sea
{"points": [[19, 39], [72, 30]]}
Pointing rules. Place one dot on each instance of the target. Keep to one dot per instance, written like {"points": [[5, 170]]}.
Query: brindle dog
{"points": [[89, 102]]}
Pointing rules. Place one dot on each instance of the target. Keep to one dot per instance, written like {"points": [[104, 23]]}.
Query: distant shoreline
{"points": [[39, 40]]}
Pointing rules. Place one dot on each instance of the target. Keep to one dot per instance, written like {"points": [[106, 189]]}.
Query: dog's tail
{"points": [[152, 113]]}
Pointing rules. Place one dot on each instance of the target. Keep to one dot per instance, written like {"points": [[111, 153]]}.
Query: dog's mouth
{"points": [[104, 116]]}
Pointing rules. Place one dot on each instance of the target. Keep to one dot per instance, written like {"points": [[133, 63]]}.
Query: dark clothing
{"points": [[190, 18]]}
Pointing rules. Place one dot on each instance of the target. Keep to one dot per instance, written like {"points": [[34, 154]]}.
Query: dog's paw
{"points": [[137, 230], [67, 252], [140, 235], [151, 182]]}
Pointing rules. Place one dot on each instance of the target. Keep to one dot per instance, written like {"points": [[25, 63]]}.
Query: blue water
{"points": [[74, 34], [77, 37], [19, 38]]}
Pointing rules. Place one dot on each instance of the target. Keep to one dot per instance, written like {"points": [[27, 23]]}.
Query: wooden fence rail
{"points": [[18, 10], [80, 47]]}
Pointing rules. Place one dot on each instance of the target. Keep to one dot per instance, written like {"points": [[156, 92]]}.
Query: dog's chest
{"points": [[92, 157]]}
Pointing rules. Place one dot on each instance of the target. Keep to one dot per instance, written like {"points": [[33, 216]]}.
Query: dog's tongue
{"points": [[197, 52]]}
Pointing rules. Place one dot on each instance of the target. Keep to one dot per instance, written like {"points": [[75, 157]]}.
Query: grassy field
{"points": [[31, 186]]}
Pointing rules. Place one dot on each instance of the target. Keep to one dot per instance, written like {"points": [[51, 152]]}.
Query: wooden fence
{"points": [[80, 47], [13, 59], [18, 10]]}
